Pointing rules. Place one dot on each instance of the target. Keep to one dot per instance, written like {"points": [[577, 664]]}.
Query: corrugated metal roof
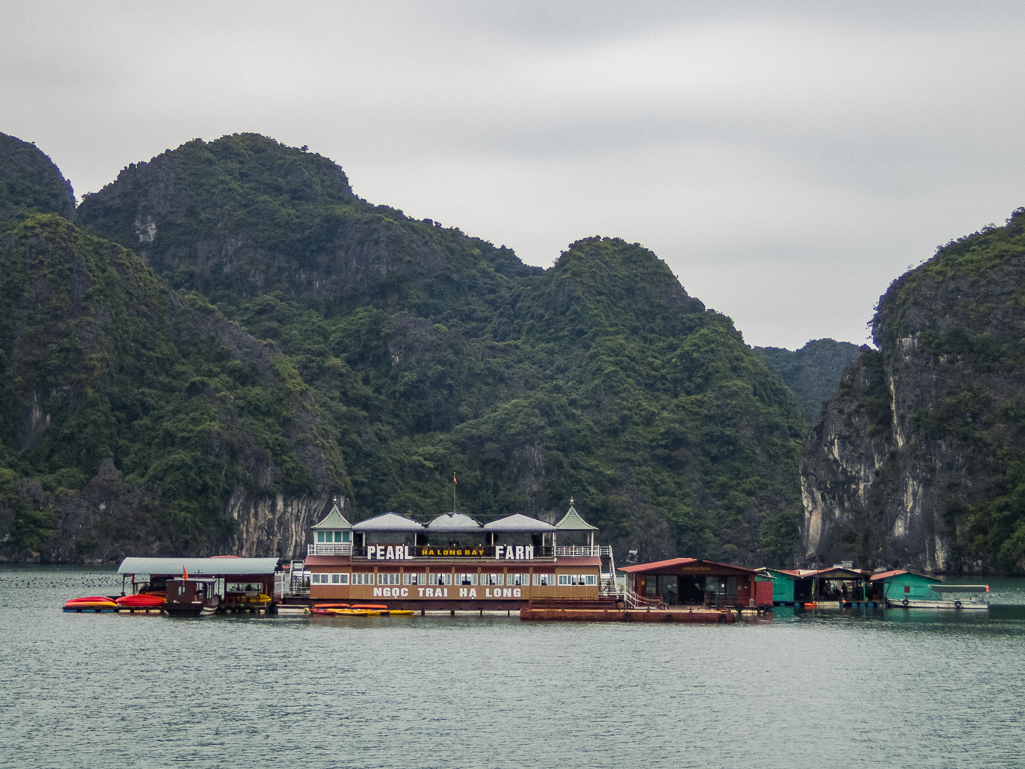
{"points": [[572, 521], [836, 572], [900, 572], [519, 522], [454, 523], [665, 565], [198, 566], [333, 520], [388, 522]]}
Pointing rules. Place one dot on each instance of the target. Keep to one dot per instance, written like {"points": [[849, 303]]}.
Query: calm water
{"points": [[817, 689]]}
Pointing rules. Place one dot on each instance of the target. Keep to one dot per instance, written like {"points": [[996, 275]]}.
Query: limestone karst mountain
{"points": [[295, 342], [920, 458]]}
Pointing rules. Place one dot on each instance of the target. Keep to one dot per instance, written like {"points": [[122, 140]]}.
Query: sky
{"points": [[786, 160]]}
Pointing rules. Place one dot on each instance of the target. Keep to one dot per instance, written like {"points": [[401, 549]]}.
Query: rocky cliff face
{"points": [[918, 460]]}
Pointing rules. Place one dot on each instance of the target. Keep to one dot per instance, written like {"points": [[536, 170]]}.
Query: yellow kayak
{"points": [[400, 612], [356, 612]]}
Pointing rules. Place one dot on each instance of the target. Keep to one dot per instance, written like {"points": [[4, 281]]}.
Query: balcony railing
{"points": [[332, 548], [583, 551]]}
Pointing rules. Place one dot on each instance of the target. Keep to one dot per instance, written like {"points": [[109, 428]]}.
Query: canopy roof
{"points": [[960, 588], [572, 521], [520, 522], [455, 523], [333, 520], [198, 566], [388, 522]]}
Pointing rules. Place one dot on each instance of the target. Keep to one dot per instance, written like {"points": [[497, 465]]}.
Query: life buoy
{"points": [[905, 602], [957, 604]]}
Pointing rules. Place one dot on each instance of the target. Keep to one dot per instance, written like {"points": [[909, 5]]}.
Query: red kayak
{"points": [[91, 599], [370, 606], [327, 608], [142, 600]]}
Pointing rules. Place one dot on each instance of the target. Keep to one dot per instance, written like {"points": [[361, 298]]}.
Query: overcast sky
{"points": [[787, 160]]}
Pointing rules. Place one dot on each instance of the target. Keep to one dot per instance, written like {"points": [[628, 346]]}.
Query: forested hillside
{"points": [[813, 372], [290, 341], [920, 458]]}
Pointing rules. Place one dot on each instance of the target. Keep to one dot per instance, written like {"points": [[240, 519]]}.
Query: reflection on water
{"points": [[858, 687]]}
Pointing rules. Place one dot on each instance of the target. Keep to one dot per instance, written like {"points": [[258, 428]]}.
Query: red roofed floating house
{"points": [[696, 582]]}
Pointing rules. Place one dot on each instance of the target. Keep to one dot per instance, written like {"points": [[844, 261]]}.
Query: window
{"points": [[591, 580], [492, 579], [363, 579], [320, 536], [466, 579], [414, 579], [319, 579], [388, 579], [517, 579], [544, 580], [564, 580], [339, 579], [440, 579]]}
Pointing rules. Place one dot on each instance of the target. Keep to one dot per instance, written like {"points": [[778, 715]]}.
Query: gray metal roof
{"points": [[198, 567], [519, 522], [572, 521], [333, 520], [454, 523], [388, 522]]}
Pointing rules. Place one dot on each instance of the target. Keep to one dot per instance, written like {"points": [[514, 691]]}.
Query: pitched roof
{"points": [[519, 522], [333, 520], [668, 566], [388, 522], [572, 521], [899, 573], [455, 523]]}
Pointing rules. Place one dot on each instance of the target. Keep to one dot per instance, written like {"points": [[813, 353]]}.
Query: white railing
{"points": [[333, 548], [583, 551], [634, 601]]}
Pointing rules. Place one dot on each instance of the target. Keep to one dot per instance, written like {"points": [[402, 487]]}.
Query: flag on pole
{"points": [[185, 574], [454, 478]]}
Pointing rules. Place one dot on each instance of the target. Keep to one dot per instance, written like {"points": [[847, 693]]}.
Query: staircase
{"points": [[608, 567]]}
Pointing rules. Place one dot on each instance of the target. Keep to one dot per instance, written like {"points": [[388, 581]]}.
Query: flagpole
{"points": [[453, 493]]}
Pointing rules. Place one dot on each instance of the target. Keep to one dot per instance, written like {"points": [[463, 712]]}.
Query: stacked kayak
{"points": [[91, 603], [358, 610], [141, 601], [328, 608]]}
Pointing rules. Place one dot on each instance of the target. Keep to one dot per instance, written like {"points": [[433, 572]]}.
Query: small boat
{"points": [[192, 597], [397, 613], [957, 597], [370, 606]]}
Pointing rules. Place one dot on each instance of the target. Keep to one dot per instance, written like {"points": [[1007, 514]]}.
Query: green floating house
{"points": [[902, 587]]}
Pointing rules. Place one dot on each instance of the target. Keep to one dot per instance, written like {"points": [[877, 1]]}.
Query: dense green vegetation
{"points": [[116, 367], [962, 311], [394, 352], [30, 183], [813, 372]]}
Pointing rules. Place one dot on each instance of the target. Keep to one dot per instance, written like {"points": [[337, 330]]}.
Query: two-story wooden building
{"points": [[453, 562]]}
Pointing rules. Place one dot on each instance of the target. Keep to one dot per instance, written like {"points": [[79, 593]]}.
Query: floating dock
{"points": [[609, 611]]}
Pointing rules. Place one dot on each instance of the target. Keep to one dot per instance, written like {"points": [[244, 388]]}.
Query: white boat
{"points": [[958, 597]]}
